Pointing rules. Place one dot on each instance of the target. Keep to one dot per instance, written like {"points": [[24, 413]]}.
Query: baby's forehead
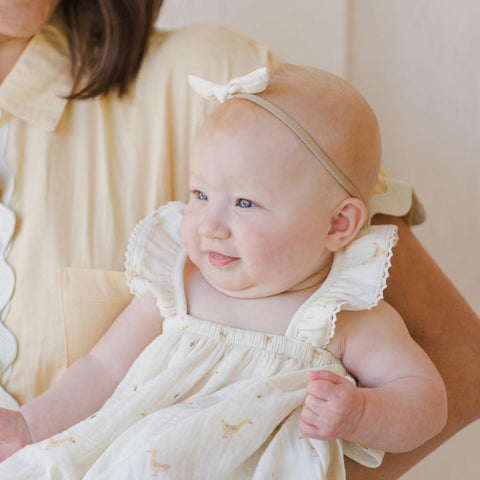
{"points": [[319, 105], [256, 150], [332, 112], [236, 114]]}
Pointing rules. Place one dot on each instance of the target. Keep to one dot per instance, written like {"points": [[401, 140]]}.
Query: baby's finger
{"points": [[309, 417], [307, 430], [322, 389], [314, 426], [328, 376], [315, 404]]}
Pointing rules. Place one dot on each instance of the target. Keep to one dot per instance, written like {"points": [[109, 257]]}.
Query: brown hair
{"points": [[107, 41]]}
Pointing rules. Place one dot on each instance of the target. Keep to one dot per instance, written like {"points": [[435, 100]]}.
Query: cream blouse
{"points": [[84, 173]]}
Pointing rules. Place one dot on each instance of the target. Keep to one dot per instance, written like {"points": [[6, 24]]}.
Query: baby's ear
{"points": [[345, 223]]}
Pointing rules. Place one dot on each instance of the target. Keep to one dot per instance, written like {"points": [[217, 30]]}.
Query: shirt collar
{"points": [[35, 88]]}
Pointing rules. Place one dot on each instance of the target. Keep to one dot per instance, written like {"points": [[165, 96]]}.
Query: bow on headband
{"points": [[256, 82]]}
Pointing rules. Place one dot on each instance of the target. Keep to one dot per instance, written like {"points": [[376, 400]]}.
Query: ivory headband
{"points": [[255, 82]]}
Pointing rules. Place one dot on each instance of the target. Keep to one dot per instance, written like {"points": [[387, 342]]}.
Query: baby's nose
{"points": [[214, 225]]}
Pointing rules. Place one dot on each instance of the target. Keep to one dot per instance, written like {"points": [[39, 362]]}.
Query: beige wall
{"points": [[417, 63], [301, 31]]}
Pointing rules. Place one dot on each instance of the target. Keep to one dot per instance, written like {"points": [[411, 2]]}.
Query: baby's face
{"points": [[259, 209]]}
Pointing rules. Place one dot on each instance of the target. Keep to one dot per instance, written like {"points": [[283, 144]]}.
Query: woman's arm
{"points": [[444, 325], [88, 382]]}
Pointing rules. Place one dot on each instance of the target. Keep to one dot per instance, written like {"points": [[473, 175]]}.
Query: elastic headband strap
{"points": [[306, 138]]}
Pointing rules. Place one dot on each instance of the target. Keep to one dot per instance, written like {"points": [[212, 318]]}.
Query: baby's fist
{"points": [[333, 407]]}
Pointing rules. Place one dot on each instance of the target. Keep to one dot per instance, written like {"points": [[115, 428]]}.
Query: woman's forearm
{"points": [[81, 391], [87, 383], [445, 326]]}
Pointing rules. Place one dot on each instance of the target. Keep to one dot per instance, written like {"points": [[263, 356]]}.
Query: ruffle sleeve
{"points": [[151, 258], [356, 281]]}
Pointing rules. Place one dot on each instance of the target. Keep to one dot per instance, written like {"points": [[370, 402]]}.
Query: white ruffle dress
{"points": [[206, 401]]}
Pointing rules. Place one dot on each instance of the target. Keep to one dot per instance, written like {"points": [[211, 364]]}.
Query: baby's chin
{"points": [[254, 290], [246, 291]]}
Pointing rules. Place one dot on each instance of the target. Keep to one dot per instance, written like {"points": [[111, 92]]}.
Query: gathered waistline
{"points": [[276, 344]]}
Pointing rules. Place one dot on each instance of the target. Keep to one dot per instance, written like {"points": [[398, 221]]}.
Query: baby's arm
{"points": [[87, 383], [402, 402]]}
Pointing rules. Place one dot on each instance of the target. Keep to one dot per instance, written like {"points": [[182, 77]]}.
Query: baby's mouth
{"points": [[218, 260]]}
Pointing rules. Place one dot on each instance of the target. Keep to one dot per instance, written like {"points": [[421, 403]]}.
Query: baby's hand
{"points": [[14, 433], [333, 407]]}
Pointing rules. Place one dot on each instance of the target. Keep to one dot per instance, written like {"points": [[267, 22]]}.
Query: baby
{"points": [[271, 353]]}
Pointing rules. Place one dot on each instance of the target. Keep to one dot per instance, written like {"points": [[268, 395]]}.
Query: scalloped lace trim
{"points": [[8, 342], [347, 286], [332, 325], [392, 241]]}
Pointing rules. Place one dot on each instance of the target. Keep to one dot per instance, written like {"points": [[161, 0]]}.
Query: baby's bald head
{"points": [[332, 111], [336, 116]]}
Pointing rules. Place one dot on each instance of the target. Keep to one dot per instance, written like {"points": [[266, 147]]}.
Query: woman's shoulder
{"points": [[213, 51], [205, 37], [205, 48]]}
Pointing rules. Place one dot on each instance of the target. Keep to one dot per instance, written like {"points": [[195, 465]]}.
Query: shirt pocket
{"points": [[90, 302]]}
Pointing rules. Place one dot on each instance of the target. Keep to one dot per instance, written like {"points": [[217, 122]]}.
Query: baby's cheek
{"points": [[188, 234], [270, 255], [183, 232], [281, 254]]}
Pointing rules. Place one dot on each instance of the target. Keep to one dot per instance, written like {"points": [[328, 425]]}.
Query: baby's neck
{"points": [[267, 314], [312, 283]]}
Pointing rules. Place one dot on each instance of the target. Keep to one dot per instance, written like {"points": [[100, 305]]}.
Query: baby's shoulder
{"points": [[356, 327]]}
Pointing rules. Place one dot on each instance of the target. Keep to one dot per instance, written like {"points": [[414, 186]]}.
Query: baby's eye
{"points": [[244, 203], [199, 195]]}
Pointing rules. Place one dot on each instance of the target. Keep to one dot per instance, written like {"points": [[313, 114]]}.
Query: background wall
{"points": [[417, 63], [304, 31]]}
